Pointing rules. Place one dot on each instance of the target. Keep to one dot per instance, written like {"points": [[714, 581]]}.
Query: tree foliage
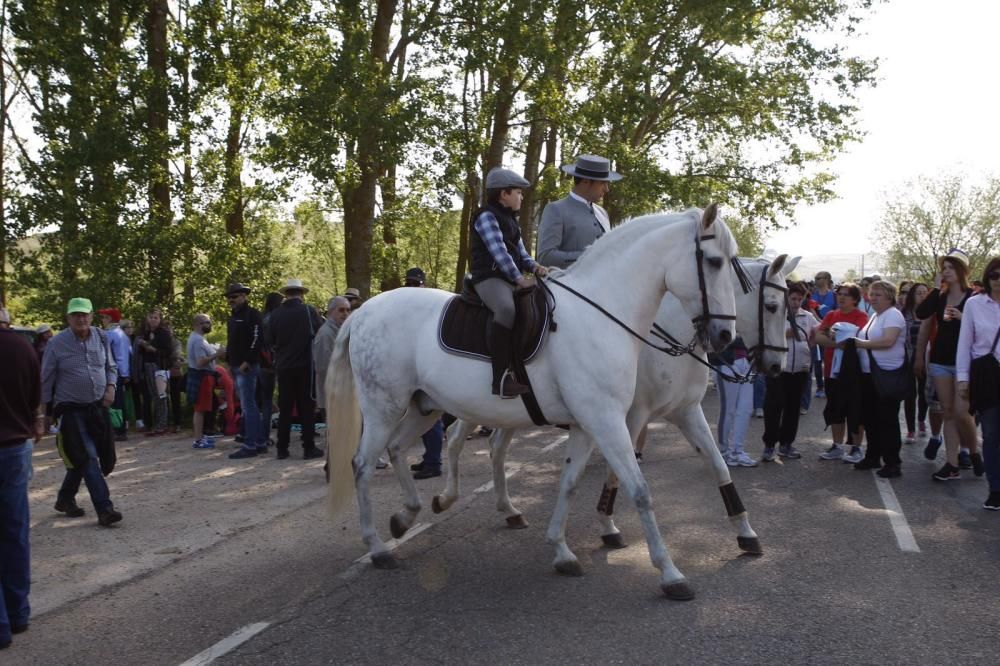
{"points": [[935, 215], [170, 147]]}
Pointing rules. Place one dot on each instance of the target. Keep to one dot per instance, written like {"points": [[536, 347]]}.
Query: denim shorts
{"points": [[938, 370]]}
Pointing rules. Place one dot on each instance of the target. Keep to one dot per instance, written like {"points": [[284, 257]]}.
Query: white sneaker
{"points": [[854, 456], [803, 411], [835, 452], [758, 413], [139, 425], [741, 459]]}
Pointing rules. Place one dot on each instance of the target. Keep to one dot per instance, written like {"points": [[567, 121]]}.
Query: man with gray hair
{"points": [[572, 224], [79, 378], [337, 311]]}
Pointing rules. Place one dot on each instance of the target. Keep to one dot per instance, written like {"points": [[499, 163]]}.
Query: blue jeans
{"points": [[90, 473], [990, 420], [722, 386], [246, 389], [15, 552], [433, 439], [759, 391]]}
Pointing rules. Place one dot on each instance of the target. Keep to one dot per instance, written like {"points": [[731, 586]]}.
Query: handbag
{"points": [[895, 384], [984, 380]]}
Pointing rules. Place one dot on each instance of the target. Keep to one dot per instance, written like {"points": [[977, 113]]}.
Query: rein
{"points": [[674, 346]]}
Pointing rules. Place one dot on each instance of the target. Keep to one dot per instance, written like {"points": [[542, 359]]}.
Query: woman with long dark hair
{"points": [[946, 303], [977, 362], [155, 348]]}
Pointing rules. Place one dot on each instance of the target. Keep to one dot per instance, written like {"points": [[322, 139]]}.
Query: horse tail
{"points": [[343, 418]]}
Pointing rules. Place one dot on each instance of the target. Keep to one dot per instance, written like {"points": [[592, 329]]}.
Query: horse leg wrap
{"points": [[606, 505], [734, 506]]}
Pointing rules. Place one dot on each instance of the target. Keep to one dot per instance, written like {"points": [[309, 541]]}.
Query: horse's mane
{"points": [[637, 226]]}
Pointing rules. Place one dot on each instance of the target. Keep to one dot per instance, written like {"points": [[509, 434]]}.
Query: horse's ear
{"points": [[776, 265], [791, 265], [708, 217]]}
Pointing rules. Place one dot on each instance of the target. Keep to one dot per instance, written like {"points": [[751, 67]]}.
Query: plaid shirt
{"points": [[489, 230], [75, 370]]}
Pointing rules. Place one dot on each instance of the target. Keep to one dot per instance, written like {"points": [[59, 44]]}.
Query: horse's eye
{"points": [[714, 262], [771, 307]]}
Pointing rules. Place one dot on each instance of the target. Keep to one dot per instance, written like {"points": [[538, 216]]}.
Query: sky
{"points": [[934, 111]]}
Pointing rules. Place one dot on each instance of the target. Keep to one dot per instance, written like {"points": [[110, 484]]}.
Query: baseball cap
{"points": [[114, 313], [416, 274], [79, 305]]}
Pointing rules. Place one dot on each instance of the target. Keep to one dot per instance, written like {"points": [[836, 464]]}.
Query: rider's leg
{"points": [[498, 295]]}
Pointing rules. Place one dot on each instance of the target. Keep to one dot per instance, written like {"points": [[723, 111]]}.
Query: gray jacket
{"points": [[567, 228], [322, 353]]}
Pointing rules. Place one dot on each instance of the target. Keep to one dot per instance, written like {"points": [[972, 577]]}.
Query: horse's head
{"points": [[702, 280], [761, 315]]}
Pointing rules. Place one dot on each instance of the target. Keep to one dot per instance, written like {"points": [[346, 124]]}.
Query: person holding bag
{"points": [[977, 368], [884, 381]]}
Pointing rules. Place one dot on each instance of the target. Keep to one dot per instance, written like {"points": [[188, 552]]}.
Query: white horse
{"points": [[667, 386], [389, 371]]}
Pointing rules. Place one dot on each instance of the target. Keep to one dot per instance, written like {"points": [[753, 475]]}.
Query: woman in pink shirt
{"points": [[977, 370]]}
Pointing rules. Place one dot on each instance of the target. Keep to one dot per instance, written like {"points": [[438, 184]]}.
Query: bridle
{"points": [[756, 353], [673, 347]]}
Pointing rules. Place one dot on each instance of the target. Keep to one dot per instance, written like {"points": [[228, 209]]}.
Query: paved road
{"points": [[833, 585]]}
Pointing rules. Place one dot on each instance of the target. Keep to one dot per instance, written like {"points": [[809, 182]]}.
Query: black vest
{"points": [[483, 266]]}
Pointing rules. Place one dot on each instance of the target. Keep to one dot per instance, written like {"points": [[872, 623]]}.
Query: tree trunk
{"points": [[232, 189], [161, 263], [529, 206], [3, 158], [501, 121], [469, 204], [390, 278]]}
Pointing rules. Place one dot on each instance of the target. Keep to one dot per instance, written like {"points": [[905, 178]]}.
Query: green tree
{"points": [[935, 215], [722, 101]]}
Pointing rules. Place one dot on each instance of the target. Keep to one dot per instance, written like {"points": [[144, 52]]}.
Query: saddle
{"points": [[466, 322], [465, 328]]}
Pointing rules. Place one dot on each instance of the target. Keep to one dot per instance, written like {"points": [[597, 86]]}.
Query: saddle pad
{"points": [[464, 328]]}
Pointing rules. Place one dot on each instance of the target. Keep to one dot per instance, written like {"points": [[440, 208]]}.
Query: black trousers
{"points": [[781, 407], [881, 420], [295, 389]]}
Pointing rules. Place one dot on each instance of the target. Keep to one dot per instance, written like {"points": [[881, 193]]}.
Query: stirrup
{"points": [[516, 388]]}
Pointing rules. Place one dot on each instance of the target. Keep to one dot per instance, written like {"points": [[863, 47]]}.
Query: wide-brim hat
{"points": [[592, 167], [293, 285], [352, 293], [237, 288], [956, 255]]}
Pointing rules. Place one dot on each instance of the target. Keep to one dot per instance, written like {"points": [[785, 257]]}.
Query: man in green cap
{"points": [[78, 377]]}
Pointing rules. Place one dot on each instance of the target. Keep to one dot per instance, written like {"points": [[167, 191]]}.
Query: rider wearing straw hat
{"points": [[499, 262], [570, 225]]}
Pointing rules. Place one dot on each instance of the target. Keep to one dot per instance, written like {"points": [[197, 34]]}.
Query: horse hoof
{"points": [[679, 591], [397, 527], [516, 522], [569, 568], [750, 545], [385, 561], [436, 505], [615, 541]]}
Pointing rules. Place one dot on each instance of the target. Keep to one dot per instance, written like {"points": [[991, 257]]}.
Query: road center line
{"points": [[904, 537], [227, 644]]}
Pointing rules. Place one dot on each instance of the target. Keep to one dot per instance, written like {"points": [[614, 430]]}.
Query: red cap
{"points": [[114, 313]]}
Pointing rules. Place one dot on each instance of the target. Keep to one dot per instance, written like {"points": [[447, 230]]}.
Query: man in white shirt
{"points": [[784, 392]]}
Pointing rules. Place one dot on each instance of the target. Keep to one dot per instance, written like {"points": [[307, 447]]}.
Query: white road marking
{"points": [[227, 644], [514, 469], [392, 544], [904, 537]]}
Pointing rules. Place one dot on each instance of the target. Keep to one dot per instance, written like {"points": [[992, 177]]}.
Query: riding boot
{"points": [[501, 341]]}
